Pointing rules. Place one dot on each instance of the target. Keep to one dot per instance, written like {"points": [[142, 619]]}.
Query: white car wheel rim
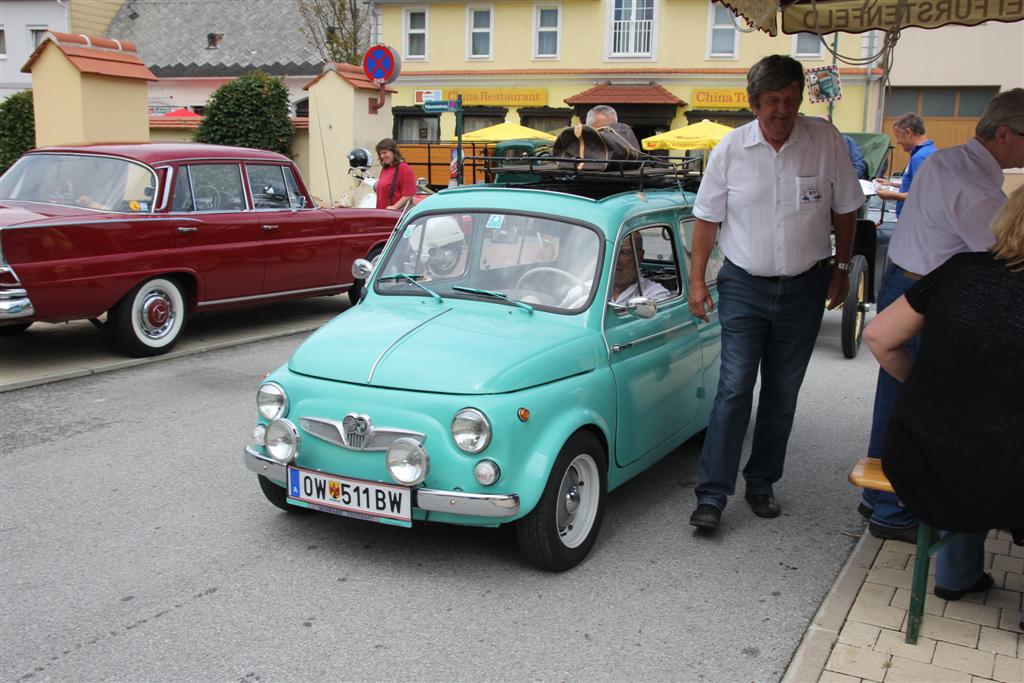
{"points": [[157, 311], [578, 497]]}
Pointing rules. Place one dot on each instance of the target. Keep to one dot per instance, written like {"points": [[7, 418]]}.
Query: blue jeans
{"points": [[960, 563], [886, 508], [771, 325]]}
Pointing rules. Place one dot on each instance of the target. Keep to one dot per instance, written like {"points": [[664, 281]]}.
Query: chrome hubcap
{"points": [[156, 314]]}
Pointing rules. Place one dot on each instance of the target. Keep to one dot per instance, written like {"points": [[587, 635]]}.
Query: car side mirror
{"points": [[638, 307], [361, 269]]}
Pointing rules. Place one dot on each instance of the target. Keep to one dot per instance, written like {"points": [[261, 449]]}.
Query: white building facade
{"points": [[23, 23]]}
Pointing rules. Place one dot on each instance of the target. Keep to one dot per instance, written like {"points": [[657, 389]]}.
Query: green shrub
{"points": [[17, 128], [250, 111]]}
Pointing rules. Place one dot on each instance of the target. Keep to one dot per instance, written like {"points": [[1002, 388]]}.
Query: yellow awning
{"points": [[507, 131], [702, 135]]}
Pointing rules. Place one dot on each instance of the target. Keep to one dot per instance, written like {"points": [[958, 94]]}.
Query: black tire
{"points": [[149, 320], [17, 328], [278, 496], [855, 307], [355, 292], [547, 535]]}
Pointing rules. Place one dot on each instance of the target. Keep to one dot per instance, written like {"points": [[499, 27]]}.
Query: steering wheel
{"points": [[207, 191], [539, 270]]}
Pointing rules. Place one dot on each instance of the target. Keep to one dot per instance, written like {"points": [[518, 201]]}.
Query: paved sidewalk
{"points": [[858, 633]]}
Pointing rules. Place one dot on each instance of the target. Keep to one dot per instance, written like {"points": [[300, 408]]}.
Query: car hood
{"points": [[457, 347]]}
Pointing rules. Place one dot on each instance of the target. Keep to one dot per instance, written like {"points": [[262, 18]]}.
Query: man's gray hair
{"points": [[1005, 109], [773, 72], [601, 109], [911, 122]]}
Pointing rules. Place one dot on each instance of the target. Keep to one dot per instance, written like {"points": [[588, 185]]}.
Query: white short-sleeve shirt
{"points": [[776, 207], [955, 195]]}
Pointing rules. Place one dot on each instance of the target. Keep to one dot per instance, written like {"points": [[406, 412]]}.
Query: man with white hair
{"points": [[603, 116]]}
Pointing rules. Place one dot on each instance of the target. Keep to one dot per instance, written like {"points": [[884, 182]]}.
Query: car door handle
{"points": [[268, 228], [184, 230]]}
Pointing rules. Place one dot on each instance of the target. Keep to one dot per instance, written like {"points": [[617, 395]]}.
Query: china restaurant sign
{"points": [[719, 98], [857, 16]]}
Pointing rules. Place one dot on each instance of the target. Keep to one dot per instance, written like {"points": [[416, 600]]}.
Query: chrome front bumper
{"points": [[453, 502], [15, 304]]}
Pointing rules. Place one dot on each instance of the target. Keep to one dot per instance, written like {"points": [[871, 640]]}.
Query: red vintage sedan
{"points": [[152, 233]]}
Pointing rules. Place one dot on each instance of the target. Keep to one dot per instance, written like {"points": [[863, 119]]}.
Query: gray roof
{"points": [[171, 36]]}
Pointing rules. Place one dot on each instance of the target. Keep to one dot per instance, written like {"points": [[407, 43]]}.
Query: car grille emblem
{"points": [[357, 428]]}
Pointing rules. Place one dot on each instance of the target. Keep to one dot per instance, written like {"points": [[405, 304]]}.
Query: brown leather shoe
{"points": [[888, 533], [706, 517], [764, 505]]}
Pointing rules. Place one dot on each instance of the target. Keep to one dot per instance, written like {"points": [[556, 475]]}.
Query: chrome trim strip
{"points": [[333, 431], [16, 308], [620, 347], [272, 294], [369, 379], [106, 221], [268, 467], [462, 503]]}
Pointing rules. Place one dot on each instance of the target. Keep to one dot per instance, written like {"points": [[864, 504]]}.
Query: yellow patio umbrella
{"points": [[703, 135], [507, 131]]}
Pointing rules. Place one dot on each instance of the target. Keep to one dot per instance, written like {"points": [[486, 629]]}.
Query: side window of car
{"points": [[217, 187], [295, 198], [268, 187], [646, 264], [182, 191], [715, 258]]}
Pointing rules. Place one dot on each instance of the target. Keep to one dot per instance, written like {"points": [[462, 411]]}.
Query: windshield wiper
{"points": [[413, 278], [496, 295]]}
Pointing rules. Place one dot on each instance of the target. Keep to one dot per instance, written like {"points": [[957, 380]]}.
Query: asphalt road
{"points": [[134, 546]]}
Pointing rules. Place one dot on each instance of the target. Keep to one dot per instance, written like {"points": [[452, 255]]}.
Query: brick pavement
{"points": [[971, 640]]}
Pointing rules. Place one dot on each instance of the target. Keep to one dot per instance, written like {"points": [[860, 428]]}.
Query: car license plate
{"points": [[365, 500]]}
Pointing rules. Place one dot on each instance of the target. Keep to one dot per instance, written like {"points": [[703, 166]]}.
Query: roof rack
{"points": [[591, 177]]}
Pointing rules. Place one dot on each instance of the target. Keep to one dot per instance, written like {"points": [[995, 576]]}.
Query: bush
{"points": [[17, 128], [250, 111]]}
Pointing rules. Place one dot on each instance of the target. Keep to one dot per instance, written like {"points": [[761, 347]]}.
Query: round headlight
{"points": [[271, 401], [282, 441], [407, 462], [471, 430], [487, 472], [259, 435]]}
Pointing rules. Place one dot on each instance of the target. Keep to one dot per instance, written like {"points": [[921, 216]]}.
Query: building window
{"points": [[36, 35], [416, 34], [547, 22], [479, 21], [967, 102], [3, 43], [723, 38], [412, 128], [806, 45], [632, 28]]}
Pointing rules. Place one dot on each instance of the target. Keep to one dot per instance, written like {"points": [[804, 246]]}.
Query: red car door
{"points": [[218, 239], [300, 242]]}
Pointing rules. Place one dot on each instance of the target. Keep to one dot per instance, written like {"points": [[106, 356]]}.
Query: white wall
{"points": [[17, 17], [989, 54], [192, 92]]}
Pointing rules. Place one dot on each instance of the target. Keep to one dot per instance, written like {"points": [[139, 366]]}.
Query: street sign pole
{"points": [[458, 133]]}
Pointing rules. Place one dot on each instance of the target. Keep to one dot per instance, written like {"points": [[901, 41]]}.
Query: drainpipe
{"points": [[867, 81]]}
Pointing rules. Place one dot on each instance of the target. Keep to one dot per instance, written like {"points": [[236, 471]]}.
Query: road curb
{"points": [[810, 657], [135, 362]]}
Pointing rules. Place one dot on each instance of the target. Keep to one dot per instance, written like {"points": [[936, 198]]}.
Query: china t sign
{"points": [[381, 64]]}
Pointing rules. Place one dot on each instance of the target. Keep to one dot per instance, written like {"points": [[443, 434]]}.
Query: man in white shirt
{"points": [[624, 283], [776, 186], [956, 193]]}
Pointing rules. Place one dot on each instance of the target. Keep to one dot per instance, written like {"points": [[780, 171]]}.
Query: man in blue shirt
{"points": [[909, 132]]}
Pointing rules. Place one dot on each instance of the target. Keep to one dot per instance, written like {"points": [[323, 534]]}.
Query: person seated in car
{"points": [[624, 285]]}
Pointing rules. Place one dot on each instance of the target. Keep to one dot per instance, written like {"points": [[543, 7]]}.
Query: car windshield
{"points": [[82, 180], [503, 258]]}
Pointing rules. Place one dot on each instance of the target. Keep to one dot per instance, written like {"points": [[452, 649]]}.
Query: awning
{"points": [[857, 16], [702, 135]]}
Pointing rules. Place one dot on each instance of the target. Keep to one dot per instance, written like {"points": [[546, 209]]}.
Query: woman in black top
{"points": [[954, 448]]}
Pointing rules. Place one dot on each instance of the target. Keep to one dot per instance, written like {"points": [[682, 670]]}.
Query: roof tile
{"points": [[94, 55], [608, 93]]}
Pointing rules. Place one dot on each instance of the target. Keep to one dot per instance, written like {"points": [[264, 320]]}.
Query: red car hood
{"points": [[22, 213]]}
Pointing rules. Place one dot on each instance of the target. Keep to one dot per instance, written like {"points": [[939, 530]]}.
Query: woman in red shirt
{"points": [[396, 184]]}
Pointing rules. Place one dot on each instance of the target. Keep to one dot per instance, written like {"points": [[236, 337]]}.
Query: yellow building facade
{"points": [[661, 63]]}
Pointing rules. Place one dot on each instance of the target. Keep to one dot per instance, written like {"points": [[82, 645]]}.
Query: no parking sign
{"points": [[381, 64]]}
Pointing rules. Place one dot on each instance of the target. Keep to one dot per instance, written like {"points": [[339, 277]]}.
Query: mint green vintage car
{"points": [[517, 354]]}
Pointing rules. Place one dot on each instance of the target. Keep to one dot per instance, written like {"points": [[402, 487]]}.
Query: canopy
{"points": [[507, 131], [857, 16], [182, 113], [703, 135]]}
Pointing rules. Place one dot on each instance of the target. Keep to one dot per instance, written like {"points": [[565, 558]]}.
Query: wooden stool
{"points": [[867, 473]]}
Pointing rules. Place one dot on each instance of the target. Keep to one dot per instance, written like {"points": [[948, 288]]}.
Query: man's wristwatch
{"points": [[844, 266]]}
